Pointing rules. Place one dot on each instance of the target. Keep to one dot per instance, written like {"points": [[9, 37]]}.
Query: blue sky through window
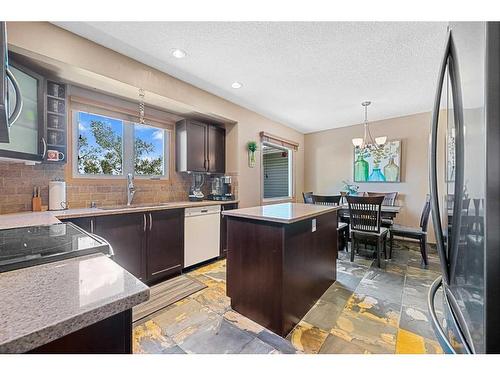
{"points": [[151, 135], [91, 156]]}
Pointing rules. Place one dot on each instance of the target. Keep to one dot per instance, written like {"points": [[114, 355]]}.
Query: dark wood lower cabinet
{"points": [[165, 247], [276, 272], [150, 245], [109, 336], [126, 233]]}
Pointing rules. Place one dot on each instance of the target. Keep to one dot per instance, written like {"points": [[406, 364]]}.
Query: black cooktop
{"points": [[29, 246]]}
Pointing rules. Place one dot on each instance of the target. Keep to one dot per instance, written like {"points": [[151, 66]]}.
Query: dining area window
{"points": [[277, 171]]}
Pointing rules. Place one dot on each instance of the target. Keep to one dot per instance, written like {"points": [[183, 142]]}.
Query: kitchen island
{"points": [[281, 259]]}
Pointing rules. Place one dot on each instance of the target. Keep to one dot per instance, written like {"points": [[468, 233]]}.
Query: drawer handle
{"points": [[166, 269]]}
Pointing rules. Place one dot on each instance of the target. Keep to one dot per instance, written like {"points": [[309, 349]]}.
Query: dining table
{"points": [[386, 212]]}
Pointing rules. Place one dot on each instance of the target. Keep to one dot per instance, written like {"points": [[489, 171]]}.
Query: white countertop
{"points": [[286, 213], [43, 303], [26, 219]]}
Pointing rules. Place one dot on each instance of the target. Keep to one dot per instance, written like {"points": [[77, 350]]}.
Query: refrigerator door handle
{"points": [[433, 178], [458, 118], [438, 330]]}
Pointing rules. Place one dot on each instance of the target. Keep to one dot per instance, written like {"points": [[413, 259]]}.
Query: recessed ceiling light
{"points": [[236, 85], [178, 53]]}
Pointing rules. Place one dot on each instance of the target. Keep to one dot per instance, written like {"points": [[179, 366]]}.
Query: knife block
{"points": [[36, 204]]}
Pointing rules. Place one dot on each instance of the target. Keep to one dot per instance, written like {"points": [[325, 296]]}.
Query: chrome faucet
{"points": [[130, 189]]}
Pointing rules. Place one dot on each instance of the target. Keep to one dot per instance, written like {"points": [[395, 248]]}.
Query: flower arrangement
{"points": [[350, 187]]}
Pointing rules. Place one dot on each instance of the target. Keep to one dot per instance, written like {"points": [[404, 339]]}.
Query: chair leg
{"points": [[391, 240], [353, 247], [385, 247], [423, 249], [378, 251]]}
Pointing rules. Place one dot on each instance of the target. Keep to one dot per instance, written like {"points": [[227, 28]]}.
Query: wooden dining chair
{"points": [[419, 233], [342, 228], [307, 197], [366, 223], [389, 200]]}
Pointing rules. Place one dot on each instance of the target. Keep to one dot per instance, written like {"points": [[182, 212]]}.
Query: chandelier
{"points": [[367, 141]]}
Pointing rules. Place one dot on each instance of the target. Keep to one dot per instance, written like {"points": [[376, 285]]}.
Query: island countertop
{"points": [[43, 303], [285, 213]]}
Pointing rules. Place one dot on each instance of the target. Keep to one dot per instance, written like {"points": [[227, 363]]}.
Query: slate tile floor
{"points": [[367, 310]]}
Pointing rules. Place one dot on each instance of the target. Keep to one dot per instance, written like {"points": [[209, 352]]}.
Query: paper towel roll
{"points": [[57, 195]]}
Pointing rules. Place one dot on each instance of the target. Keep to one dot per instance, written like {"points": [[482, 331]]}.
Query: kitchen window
{"points": [[108, 147], [277, 171]]}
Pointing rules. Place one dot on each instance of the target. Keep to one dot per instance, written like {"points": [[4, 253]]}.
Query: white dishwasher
{"points": [[201, 234]]}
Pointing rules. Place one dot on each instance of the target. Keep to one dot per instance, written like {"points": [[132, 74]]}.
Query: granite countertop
{"points": [[25, 219], [286, 213], [42, 303]]}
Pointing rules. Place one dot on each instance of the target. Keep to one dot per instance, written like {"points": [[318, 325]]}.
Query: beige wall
{"points": [[48, 40], [329, 160]]}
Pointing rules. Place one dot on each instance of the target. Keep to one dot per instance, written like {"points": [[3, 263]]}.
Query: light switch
{"points": [[313, 229]]}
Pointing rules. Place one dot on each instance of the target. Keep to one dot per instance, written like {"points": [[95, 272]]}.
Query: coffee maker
{"points": [[221, 189]]}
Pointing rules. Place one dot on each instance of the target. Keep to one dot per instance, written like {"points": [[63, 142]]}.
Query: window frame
{"points": [[128, 136], [291, 173]]}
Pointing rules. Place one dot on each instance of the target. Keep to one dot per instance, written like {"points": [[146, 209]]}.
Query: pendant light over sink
{"points": [[367, 141]]}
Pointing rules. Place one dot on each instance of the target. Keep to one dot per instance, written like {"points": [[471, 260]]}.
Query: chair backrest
{"points": [[364, 212], [424, 217], [307, 197], [389, 198], [326, 200]]}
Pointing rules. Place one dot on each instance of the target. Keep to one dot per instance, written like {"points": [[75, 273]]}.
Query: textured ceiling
{"points": [[308, 75]]}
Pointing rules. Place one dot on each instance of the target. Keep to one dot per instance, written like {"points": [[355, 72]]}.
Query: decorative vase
{"points": [[376, 175], [360, 169], [391, 171], [251, 159]]}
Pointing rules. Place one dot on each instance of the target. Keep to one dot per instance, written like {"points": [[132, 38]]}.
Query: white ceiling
{"points": [[308, 75]]}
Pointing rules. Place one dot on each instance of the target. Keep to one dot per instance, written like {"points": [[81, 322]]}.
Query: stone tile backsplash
{"points": [[17, 181]]}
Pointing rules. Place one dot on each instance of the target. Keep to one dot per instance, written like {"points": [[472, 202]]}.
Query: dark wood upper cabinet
{"points": [[165, 250], [126, 233], [200, 147], [216, 149]]}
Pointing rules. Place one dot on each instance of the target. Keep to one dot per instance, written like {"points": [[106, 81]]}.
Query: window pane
{"points": [[149, 150], [100, 145], [276, 162]]}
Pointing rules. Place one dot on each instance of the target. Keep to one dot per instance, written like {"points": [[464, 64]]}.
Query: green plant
{"points": [[252, 146]]}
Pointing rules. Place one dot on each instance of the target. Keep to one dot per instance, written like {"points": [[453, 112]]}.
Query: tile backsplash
{"points": [[17, 181]]}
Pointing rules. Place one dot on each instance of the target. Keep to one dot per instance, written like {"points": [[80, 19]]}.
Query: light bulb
{"points": [[357, 142]]}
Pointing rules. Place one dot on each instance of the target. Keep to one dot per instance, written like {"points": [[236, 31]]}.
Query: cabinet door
{"points": [[223, 227], [126, 233], [216, 149], [165, 251], [197, 158]]}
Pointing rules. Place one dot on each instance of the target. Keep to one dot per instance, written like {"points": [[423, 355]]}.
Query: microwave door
{"points": [[10, 105], [4, 105]]}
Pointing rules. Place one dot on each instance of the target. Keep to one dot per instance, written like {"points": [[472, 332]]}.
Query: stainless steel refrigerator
{"points": [[465, 197]]}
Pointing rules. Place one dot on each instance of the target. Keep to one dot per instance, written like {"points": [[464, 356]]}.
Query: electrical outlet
{"points": [[313, 229]]}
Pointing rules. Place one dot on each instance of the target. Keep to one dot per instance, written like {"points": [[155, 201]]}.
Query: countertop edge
{"points": [[29, 218], [72, 324], [231, 213], [104, 212]]}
